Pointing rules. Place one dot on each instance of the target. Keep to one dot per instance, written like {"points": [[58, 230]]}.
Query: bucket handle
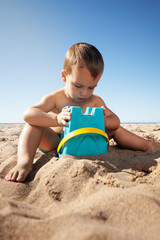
{"points": [[81, 131]]}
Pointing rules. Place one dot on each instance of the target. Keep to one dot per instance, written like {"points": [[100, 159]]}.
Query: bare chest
{"points": [[61, 104]]}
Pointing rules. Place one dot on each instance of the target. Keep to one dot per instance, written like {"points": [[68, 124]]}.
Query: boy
{"points": [[83, 67]]}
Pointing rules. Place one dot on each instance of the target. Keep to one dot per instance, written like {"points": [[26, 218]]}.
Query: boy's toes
{"points": [[155, 147], [14, 176], [9, 176], [22, 176]]}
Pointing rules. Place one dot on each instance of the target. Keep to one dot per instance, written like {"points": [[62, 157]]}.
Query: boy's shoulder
{"points": [[56, 93], [53, 97], [98, 99]]}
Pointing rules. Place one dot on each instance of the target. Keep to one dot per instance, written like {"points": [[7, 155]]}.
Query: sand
{"points": [[111, 196]]}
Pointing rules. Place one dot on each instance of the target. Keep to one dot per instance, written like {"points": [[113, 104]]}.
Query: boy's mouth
{"points": [[81, 99]]}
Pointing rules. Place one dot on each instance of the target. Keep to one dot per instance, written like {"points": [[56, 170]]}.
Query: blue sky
{"points": [[34, 38]]}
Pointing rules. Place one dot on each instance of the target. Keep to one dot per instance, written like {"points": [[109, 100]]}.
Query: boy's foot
{"points": [[18, 173], [155, 147]]}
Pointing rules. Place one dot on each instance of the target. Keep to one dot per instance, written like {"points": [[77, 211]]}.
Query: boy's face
{"points": [[80, 84]]}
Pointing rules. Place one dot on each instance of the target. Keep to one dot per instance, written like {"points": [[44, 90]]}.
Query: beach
{"points": [[111, 196]]}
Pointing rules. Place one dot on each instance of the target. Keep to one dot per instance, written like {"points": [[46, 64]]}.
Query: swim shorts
{"points": [[44, 151]]}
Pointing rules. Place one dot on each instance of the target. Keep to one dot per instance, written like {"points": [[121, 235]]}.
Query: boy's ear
{"points": [[63, 75]]}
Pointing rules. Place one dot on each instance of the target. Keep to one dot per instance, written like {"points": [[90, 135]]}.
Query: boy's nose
{"points": [[84, 92]]}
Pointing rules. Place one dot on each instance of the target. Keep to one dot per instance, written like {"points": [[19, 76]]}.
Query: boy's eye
{"points": [[78, 86]]}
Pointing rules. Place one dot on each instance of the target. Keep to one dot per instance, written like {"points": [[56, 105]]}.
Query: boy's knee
{"points": [[118, 123], [111, 132]]}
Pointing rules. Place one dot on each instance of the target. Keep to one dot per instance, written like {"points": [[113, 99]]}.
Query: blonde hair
{"points": [[84, 55]]}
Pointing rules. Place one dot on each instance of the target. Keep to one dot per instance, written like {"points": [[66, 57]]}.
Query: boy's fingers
{"points": [[64, 123], [66, 115], [66, 109]]}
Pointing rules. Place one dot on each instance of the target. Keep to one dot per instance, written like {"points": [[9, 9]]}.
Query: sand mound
{"points": [[112, 196]]}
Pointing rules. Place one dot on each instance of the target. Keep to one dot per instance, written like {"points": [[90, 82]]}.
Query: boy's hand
{"points": [[105, 112], [63, 116]]}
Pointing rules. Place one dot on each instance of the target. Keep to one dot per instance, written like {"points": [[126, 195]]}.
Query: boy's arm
{"points": [[38, 114], [111, 119]]}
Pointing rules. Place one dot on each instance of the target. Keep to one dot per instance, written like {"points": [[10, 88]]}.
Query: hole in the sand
{"points": [[100, 216], [55, 195]]}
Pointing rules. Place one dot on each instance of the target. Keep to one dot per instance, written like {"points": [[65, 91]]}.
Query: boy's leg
{"points": [[31, 137], [128, 140]]}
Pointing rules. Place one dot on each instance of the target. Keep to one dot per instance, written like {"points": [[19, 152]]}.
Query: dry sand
{"points": [[112, 196]]}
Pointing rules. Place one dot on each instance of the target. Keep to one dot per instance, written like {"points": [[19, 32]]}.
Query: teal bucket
{"points": [[85, 133]]}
